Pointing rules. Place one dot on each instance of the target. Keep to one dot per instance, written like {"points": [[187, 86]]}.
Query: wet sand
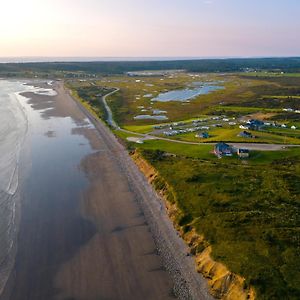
{"points": [[94, 233]]}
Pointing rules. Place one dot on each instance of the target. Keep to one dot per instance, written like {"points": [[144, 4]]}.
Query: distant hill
{"points": [[290, 65]]}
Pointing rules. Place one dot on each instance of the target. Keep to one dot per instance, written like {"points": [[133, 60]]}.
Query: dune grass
{"points": [[249, 213]]}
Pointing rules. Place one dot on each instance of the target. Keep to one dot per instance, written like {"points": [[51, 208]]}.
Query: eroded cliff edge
{"points": [[222, 282]]}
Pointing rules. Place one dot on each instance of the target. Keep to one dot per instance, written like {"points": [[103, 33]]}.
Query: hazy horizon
{"points": [[37, 59], [135, 28]]}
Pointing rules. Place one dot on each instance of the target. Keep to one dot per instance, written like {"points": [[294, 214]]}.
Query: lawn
{"points": [[232, 135]]}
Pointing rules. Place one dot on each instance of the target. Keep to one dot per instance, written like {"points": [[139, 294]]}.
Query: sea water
{"points": [[13, 129], [13, 133]]}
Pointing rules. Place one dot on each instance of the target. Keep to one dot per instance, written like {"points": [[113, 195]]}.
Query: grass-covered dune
{"points": [[248, 213], [90, 97]]}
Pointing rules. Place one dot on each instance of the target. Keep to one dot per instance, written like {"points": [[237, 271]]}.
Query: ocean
{"points": [[13, 130], [14, 126]]}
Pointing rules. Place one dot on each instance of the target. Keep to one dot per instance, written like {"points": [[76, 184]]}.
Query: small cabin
{"points": [[245, 134], [255, 124], [203, 135], [223, 149], [243, 153]]}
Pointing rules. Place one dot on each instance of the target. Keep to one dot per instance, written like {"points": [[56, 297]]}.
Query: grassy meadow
{"points": [[247, 95], [248, 212]]}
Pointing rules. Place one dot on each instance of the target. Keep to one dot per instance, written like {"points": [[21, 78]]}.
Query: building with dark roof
{"points": [[245, 134], [223, 149], [255, 124], [243, 153]]}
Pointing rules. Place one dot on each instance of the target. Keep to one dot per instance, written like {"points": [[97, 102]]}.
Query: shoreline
{"points": [[188, 283], [91, 241], [218, 279], [12, 192], [223, 283]]}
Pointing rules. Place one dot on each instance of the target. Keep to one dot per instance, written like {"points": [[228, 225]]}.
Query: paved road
{"points": [[110, 119], [250, 146]]}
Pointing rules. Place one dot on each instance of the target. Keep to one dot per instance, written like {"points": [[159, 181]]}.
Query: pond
{"points": [[149, 117], [188, 93]]}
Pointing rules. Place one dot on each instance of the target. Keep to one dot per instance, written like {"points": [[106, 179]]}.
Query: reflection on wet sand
{"points": [[74, 196]]}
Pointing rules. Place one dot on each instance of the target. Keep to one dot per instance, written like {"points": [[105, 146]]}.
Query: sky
{"points": [[149, 28]]}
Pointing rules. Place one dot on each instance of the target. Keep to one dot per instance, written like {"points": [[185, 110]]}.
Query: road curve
{"points": [[110, 120], [250, 146]]}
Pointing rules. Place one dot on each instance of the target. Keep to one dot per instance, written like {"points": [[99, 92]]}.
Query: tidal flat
{"points": [[83, 219]]}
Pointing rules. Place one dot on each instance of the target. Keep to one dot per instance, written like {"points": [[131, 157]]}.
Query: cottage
{"points": [[222, 149], [244, 127], [243, 153], [203, 135], [293, 127], [245, 134], [255, 124]]}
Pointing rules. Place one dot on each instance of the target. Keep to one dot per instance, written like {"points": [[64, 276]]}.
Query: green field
{"points": [[249, 213], [244, 96]]}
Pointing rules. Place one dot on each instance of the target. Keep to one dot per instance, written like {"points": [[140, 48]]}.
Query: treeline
{"points": [[290, 65]]}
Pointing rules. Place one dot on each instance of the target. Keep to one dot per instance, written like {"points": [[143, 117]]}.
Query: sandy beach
{"points": [[91, 226]]}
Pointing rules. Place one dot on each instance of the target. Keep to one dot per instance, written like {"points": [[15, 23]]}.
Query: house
{"points": [[203, 135], [293, 127], [244, 127], [245, 134], [255, 124], [222, 149], [243, 153]]}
